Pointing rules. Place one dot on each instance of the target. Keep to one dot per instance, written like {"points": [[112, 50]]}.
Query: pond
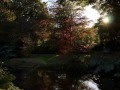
{"points": [[55, 80], [97, 70]]}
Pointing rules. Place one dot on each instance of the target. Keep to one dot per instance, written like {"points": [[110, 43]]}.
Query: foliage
{"points": [[28, 25], [48, 47], [33, 17], [73, 36], [24, 21], [114, 33], [87, 39], [6, 80], [110, 32]]}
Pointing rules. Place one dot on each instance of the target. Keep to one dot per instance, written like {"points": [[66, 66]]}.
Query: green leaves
{"points": [[6, 79]]}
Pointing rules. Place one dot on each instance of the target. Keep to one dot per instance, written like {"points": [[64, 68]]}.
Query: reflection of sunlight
{"points": [[88, 85], [92, 15]]}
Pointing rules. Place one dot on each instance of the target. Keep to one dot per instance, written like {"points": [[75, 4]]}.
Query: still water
{"points": [[54, 80]]}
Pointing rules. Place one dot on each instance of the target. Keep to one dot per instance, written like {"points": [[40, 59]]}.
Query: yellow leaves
{"points": [[6, 1], [86, 38], [10, 16]]}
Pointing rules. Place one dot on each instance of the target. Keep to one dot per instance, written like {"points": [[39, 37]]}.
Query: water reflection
{"points": [[50, 80], [87, 85]]}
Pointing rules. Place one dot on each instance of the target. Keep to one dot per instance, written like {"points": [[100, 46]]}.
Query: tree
{"points": [[32, 21], [7, 18], [71, 28], [112, 8], [6, 80], [24, 23]]}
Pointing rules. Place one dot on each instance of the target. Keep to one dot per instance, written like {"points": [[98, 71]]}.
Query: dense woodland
{"points": [[30, 27]]}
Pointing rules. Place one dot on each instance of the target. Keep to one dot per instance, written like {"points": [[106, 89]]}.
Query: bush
{"points": [[6, 80], [48, 47]]}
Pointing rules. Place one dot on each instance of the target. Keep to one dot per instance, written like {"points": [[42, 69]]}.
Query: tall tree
{"points": [[32, 16], [25, 22], [7, 18], [112, 7], [71, 27]]}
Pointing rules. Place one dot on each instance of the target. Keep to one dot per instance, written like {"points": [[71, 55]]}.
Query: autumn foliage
{"points": [[74, 36]]}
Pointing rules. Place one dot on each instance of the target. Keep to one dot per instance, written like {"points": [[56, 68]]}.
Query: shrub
{"points": [[6, 80]]}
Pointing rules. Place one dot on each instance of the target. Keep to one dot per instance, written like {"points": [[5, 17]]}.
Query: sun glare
{"points": [[89, 12], [106, 20], [92, 15]]}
